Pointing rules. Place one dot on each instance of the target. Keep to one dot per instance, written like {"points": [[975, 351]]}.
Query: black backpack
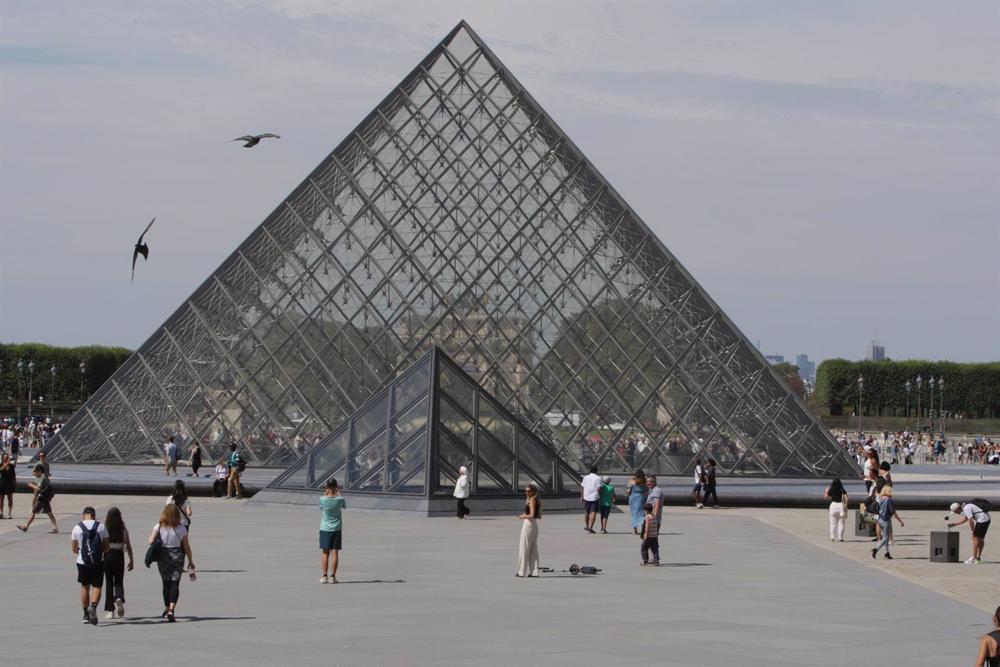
{"points": [[982, 504], [91, 546]]}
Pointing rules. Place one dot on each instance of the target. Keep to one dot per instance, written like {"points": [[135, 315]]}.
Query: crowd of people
{"points": [[909, 448], [25, 433]]}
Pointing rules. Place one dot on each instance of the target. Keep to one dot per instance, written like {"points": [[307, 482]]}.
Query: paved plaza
{"points": [[749, 587]]}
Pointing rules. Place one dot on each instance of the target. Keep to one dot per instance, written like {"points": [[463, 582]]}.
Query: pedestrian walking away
{"points": [[119, 544], [591, 495], [41, 502], [462, 490], [607, 493], [89, 543], [710, 485], [527, 553], [236, 467], [170, 456], [180, 498], [977, 514], [331, 530], [699, 483], [989, 645], [650, 538], [839, 502], [195, 462], [174, 546], [8, 484], [886, 513], [636, 492]]}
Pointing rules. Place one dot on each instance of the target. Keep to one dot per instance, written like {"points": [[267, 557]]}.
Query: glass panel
{"points": [[496, 471], [493, 420], [456, 422], [406, 464], [532, 455], [412, 386], [457, 388], [332, 455], [405, 425], [365, 466], [371, 420]]}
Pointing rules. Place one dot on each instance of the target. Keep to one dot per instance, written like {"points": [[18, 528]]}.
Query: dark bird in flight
{"points": [[141, 248], [254, 139]]}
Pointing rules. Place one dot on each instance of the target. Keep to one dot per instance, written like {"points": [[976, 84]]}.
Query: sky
{"points": [[829, 172]]}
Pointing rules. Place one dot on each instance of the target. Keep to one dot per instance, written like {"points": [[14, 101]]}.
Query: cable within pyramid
{"points": [[458, 215]]}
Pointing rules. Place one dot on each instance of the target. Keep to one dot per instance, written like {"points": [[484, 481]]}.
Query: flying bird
{"points": [[254, 139], [141, 248]]}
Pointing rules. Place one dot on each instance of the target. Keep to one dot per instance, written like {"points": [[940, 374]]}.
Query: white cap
{"points": [[463, 470], [956, 508]]}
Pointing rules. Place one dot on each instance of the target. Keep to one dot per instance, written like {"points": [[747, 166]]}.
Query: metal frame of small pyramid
{"points": [[458, 215], [406, 444]]}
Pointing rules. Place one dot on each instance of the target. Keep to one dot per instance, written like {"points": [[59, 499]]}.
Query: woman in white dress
{"points": [[527, 561]]}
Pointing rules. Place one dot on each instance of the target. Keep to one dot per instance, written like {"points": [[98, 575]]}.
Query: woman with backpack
{"points": [[173, 547], [180, 498], [114, 563]]}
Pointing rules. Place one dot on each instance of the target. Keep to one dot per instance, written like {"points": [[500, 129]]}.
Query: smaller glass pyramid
{"points": [[414, 434]]}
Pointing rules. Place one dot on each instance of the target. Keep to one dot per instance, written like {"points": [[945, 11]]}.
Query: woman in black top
{"points": [[8, 481], [837, 495], [989, 646], [195, 458]]}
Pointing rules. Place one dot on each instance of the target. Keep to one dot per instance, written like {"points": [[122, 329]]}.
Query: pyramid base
{"points": [[444, 506]]}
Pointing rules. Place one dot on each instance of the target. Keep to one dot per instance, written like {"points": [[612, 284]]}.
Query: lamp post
{"points": [[920, 382], [861, 406], [941, 412], [52, 392], [908, 387], [930, 409], [83, 377], [20, 374], [31, 378]]}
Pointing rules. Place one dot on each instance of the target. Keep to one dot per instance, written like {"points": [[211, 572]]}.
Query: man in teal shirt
{"points": [[332, 504]]}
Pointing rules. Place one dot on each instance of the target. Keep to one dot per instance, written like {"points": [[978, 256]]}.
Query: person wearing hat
{"points": [[886, 512], [462, 489], [979, 521]]}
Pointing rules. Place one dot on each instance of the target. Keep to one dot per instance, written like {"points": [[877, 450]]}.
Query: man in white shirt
{"points": [[591, 498], [699, 482], [89, 542], [978, 517]]}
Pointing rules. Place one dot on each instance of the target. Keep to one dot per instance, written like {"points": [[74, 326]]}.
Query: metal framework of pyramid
{"points": [[411, 437], [457, 215]]}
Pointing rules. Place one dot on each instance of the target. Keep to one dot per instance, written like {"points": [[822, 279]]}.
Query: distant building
{"points": [[875, 351], [774, 359], [807, 369]]}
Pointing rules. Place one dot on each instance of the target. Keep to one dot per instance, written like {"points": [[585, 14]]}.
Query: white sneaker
{"points": [[323, 579], [109, 615], [699, 506], [971, 560]]}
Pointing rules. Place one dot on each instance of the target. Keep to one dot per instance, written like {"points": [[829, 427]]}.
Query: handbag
{"points": [[153, 551]]}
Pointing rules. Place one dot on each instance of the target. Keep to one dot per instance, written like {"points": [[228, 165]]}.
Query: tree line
{"points": [[70, 379], [971, 390]]}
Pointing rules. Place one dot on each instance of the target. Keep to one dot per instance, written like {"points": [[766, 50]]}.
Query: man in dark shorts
{"points": [[42, 501], [591, 495], [89, 543], [978, 518]]}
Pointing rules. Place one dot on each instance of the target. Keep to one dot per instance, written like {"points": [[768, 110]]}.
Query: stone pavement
{"points": [[734, 590]]}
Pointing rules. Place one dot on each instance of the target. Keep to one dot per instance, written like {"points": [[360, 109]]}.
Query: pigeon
{"points": [[141, 248], [254, 139]]}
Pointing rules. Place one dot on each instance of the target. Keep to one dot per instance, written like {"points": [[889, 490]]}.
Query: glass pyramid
{"points": [[458, 215], [412, 436]]}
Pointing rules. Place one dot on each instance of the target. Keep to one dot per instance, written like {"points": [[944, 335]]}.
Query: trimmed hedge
{"points": [[101, 363], [970, 390]]}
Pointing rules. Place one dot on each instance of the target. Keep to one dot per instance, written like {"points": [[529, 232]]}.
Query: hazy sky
{"points": [[824, 169]]}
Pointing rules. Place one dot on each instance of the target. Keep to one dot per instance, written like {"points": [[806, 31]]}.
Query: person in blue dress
{"points": [[636, 491]]}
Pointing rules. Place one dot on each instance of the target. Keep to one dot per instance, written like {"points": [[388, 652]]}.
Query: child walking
{"points": [[650, 538], [41, 503], [332, 504]]}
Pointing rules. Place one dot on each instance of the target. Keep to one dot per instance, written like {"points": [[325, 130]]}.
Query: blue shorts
{"points": [[329, 540]]}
